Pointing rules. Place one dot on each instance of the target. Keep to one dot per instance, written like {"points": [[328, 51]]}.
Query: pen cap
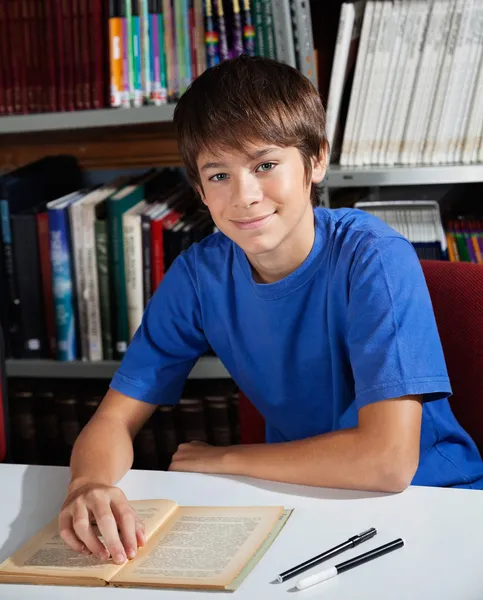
{"points": [[316, 578], [364, 536]]}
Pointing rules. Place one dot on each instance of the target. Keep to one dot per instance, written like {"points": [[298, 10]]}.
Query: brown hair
{"points": [[245, 100]]}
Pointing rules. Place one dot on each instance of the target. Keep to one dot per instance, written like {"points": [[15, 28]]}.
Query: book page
{"points": [[201, 547], [47, 555]]}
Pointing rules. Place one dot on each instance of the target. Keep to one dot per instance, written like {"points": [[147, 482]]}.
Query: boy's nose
{"points": [[246, 193]]}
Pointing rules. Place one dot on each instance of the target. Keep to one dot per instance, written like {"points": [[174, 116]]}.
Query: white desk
{"points": [[442, 528]]}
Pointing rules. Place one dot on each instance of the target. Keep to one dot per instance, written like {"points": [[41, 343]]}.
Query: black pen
{"points": [[350, 543], [349, 564]]}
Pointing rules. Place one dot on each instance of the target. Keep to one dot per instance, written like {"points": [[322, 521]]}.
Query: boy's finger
{"points": [[108, 528], [85, 532], [126, 521], [66, 532]]}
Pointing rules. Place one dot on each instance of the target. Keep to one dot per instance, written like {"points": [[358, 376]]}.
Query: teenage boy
{"points": [[322, 317]]}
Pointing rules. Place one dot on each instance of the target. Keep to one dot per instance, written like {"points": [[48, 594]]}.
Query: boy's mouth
{"points": [[254, 222]]}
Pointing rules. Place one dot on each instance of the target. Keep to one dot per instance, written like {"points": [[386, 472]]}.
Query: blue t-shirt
{"points": [[352, 325]]}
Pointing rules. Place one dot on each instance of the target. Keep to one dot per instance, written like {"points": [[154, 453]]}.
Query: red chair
{"points": [[3, 402], [456, 291]]}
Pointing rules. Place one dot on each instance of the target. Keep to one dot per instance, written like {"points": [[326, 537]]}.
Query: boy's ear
{"points": [[319, 166]]}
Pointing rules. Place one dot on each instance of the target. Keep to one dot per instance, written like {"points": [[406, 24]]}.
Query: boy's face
{"points": [[260, 198]]}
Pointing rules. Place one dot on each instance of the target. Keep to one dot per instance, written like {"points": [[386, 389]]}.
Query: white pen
{"points": [[302, 584]]}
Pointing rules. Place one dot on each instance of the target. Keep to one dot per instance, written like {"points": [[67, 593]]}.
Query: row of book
{"points": [[406, 85], [443, 222], [80, 264], [45, 418], [465, 240], [128, 53]]}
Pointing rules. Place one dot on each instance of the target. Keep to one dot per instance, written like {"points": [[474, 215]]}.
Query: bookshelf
{"points": [[207, 367], [343, 177], [85, 119]]}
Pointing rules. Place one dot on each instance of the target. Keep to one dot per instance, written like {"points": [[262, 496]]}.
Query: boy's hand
{"points": [[93, 504], [198, 457]]}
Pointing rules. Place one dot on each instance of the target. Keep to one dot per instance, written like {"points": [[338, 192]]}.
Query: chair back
{"points": [[456, 290]]}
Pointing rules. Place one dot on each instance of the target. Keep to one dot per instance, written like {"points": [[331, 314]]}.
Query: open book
{"points": [[187, 547]]}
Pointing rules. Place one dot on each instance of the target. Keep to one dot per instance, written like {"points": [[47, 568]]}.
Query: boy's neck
{"points": [[286, 258]]}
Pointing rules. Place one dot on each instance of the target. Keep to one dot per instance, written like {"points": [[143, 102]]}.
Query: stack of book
{"points": [[47, 416], [129, 53], [418, 221], [465, 239], [406, 85], [80, 264]]}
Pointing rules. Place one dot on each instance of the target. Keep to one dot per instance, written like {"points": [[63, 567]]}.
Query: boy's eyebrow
{"points": [[251, 156]]}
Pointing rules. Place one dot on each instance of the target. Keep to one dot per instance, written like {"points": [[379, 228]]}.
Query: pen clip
{"points": [[364, 536]]}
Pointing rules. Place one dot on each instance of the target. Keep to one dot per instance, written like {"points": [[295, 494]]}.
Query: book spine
{"points": [[224, 53], [27, 267], [118, 280], [46, 274], [133, 269], [248, 29], [103, 276], [77, 245], [115, 55], [258, 20], [157, 254], [13, 330], [130, 48], [172, 66], [125, 43], [163, 70], [268, 32], [146, 34], [146, 253], [91, 289], [211, 36], [237, 29], [136, 54], [200, 36], [62, 284]]}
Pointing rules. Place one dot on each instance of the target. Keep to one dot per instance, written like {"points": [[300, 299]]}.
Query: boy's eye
{"points": [[219, 177], [268, 166]]}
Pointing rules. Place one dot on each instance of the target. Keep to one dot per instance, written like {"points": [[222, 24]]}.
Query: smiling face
{"points": [[259, 198]]}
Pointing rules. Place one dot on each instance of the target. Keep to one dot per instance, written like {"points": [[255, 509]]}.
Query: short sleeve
{"points": [[393, 340], [168, 342]]}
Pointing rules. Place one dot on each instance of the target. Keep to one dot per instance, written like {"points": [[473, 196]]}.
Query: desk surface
{"points": [[442, 528]]}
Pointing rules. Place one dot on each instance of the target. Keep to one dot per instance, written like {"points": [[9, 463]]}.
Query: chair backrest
{"points": [[3, 401], [456, 291]]}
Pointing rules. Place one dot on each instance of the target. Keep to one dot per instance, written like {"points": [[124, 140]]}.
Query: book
{"points": [[193, 547]]}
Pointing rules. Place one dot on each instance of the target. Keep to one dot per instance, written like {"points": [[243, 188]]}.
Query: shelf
{"points": [[402, 175], [84, 119], [208, 367]]}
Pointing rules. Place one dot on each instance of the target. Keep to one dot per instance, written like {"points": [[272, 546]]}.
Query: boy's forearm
{"points": [[342, 459], [102, 453]]}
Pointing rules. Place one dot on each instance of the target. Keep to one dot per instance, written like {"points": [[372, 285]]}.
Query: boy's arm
{"points": [[102, 454], [380, 454]]}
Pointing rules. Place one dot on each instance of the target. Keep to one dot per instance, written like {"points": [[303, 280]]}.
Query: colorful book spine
{"points": [[224, 53], [248, 29], [63, 284], [115, 54], [126, 88], [163, 70], [154, 53], [211, 36], [237, 30], [146, 34], [137, 85]]}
